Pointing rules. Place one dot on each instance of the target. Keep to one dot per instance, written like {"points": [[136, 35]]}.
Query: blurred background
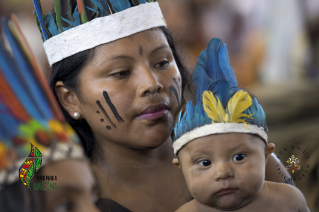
{"points": [[273, 47]]}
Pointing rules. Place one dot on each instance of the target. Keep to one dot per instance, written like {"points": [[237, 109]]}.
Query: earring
{"points": [[76, 115]]}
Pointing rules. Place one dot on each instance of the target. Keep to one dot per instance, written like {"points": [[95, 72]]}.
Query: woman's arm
{"points": [[273, 169]]}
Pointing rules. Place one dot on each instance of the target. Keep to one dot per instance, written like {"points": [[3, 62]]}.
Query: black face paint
{"points": [[108, 101], [108, 127], [98, 112], [173, 89], [105, 114], [140, 50], [179, 91], [101, 120], [179, 79]]}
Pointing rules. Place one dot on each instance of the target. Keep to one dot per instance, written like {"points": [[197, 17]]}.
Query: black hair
{"points": [[68, 71]]}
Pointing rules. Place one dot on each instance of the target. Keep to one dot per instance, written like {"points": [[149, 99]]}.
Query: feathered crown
{"points": [[29, 113], [217, 104], [74, 30]]}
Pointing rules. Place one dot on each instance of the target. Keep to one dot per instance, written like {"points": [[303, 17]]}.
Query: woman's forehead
{"points": [[147, 40]]}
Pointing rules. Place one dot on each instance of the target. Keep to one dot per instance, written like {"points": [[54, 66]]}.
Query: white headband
{"points": [[218, 128], [103, 30]]}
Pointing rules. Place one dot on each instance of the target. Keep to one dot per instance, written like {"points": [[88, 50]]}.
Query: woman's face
{"points": [[131, 90]]}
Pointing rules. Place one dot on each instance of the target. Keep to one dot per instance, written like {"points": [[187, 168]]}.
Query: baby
{"points": [[221, 144]]}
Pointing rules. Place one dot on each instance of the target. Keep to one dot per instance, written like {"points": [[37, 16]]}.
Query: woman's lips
{"points": [[154, 112]]}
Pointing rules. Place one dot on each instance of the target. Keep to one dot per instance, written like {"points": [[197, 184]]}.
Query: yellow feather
{"points": [[213, 107], [237, 105]]}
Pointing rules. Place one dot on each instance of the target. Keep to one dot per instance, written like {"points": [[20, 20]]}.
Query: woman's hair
{"points": [[68, 71]]}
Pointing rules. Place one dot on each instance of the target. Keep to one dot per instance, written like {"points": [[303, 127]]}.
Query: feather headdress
{"points": [[31, 123], [90, 23], [215, 102]]}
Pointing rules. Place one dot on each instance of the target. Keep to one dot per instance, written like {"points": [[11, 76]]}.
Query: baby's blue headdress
{"points": [[217, 104]]}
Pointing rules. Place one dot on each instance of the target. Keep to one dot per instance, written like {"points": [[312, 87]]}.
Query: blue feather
{"points": [[7, 122], [76, 16], [142, 1], [226, 67], [98, 5], [25, 71], [120, 5], [7, 65], [105, 6], [93, 10], [125, 4], [52, 27], [69, 22], [41, 18]]}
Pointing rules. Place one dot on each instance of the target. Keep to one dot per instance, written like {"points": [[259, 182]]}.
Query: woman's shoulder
{"points": [[108, 205]]}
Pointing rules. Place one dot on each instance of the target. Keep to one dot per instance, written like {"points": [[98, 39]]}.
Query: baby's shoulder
{"points": [[287, 195], [188, 207]]}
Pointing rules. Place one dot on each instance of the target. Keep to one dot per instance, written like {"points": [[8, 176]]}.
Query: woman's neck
{"points": [[149, 175], [119, 161]]}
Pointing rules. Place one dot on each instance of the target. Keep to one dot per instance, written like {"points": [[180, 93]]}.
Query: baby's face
{"points": [[224, 171]]}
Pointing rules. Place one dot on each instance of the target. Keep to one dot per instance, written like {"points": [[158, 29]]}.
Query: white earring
{"points": [[76, 115]]}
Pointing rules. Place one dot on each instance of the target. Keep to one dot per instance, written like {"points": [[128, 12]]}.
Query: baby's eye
{"points": [[205, 163], [238, 157], [162, 64]]}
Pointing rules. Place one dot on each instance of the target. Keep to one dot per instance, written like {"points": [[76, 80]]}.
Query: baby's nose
{"points": [[223, 171]]}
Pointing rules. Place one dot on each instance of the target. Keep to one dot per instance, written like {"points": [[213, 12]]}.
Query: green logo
{"points": [[30, 166]]}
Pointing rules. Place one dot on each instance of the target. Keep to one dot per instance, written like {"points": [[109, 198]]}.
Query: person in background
{"points": [[42, 163]]}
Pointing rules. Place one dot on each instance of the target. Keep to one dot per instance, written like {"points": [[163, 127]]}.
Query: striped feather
{"points": [[25, 71], [41, 18], [57, 9], [38, 72], [81, 8]]}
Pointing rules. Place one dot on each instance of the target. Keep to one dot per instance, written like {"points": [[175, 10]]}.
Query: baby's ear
{"points": [[175, 161], [270, 148]]}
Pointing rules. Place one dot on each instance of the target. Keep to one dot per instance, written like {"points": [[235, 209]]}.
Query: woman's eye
{"points": [[162, 64], [121, 74], [64, 207], [205, 163], [238, 157]]}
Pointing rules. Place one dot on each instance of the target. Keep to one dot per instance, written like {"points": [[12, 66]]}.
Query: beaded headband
{"points": [[92, 23], [217, 105]]}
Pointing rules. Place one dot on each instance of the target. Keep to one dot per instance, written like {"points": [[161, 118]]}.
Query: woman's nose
{"points": [[223, 171], [148, 82]]}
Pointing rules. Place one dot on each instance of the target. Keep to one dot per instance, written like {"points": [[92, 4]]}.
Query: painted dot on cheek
{"points": [[108, 127], [98, 112], [102, 120]]}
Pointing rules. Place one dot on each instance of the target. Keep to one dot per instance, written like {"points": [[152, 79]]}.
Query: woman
{"points": [[53, 175], [121, 96]]}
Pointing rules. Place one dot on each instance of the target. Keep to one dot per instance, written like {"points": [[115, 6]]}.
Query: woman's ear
{"points": [[175, 161], [68, 99]]}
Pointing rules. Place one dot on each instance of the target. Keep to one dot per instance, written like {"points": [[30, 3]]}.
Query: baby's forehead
{"points": [[223, 142]]}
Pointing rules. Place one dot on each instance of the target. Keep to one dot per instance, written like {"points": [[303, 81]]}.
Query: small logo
{"points": [[30, 166], [293, 164]]}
